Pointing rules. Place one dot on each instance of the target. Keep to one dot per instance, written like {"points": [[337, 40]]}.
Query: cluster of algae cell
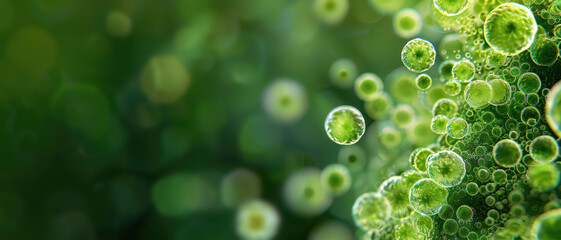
{"points": [[483, 141]]}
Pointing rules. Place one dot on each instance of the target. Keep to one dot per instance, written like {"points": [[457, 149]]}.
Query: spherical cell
{"points": [[370, 211], [423, 224], [418, 55], [500, 90], [507, 153], [445, 69], [510, 28], [402, 86], [304, 194], [344, 125], [457, 128], [423, 81], [452, 88], [257, 220], [353, 157], [379, 106], [496, 59], [403, 115], [368, 85], [447, 108], [343, 72], [544, 148], [515, 197], [407, 23], [239, 186], [463, 71], [543, 176], [530, 116], [438, 124], [450, 226], [544, 52], [336, 178], [451, 7], [472, 189], [396, 189], [546, 226], [446, 212], [390, 137], [499, 176], [446, 168], [331, 11], [529, 83], [164, 80], [553, 109], [478, 94], [285, 101], [426, 196], [418, 159]]}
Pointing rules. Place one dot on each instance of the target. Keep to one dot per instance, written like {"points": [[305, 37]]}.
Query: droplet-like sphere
{"points": [[418, 159], [463, 71], [438, 124], [544, 52], [379, 106], [500, 90], [446, 168], [331, 11], [407, 23], [452, 88], [423, 81], [344, 125], [304, 194], [285, 100], [336, 178], [457, 128], [370, 211], [546, 226], [544, 149], [553, 109], [478, 94], [450, 226], [368, 85], [529, 83], [543, 176], [507, 153], [343, 72], [451, 7], [396, 190], [510, 28], [446, 107], [257, 220], [418, 55], [426, 196]]}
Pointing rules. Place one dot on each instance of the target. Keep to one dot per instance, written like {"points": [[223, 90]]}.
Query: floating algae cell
{"points": [[423, 81], [285, 100], [445, 107], [407, 23], [544, 52], [478, 94], [543, 176], [507, 153], [370, 211], [439, 123], [368, 85], [446, 168], [457, 128], [451, 7], [553, 109], [529, 83], [396, 190], [418, 55], [331, 11], [510, 28], [544, 149], [426, 196], [452, 87], [379, 106], [304, 194], [500, 90], [343, 72], [257, 220], [463, 71], [418, 159], [336, 178], [344, 125]]}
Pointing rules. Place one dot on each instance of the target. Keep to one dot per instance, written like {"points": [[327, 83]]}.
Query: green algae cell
{"points": [[546, 226], [451, 7], [407, 23], [543, 176], [499, 176], [285, 100], [257, 220], [464, 213], [445, 69], [446, 168], [353, 157], [544, 52], [370, 211], [446, 107], [403, 115], [507, 153], [472, 189], [438, 124], [553, 109], [423, 81], [423, 224], [396, 189], [379, 106], [336, 178], [331, 11], [418, 159], [529, 83], [418, 55], [343, 72], [478, 94], [450, 226], [304, 194], [510, 28], [368, 85], [457, 128], [496, 59], [544, 149], [446, 212], [452, 88], [344, 125], [426, 196], [463, 71]]}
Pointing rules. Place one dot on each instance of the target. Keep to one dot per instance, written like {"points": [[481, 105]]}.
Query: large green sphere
{"points": [[368, 85], [544, 52], [370, 211], [446, 168], [445, 107], [546, 226], [510, 28], [478, 94], [507, 153], [544, 148], [396, 190], [543, 176], [418, 55], [344, 125], [457, 128], [529, 83], [500, 90], [426, 196]]}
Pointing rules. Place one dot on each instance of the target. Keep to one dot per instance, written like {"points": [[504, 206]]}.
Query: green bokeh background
{"points": [[81, 146]]}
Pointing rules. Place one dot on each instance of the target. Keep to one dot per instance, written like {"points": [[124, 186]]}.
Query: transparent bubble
{"points": [[370, 211], [478, 94], [451, 7], [418, 55], [507, 153], [344, 125], [544, 149], [407, 23], [367, 86], [510, 28], [336, 178], [257, 220], [426, 196], [446, 168]]}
